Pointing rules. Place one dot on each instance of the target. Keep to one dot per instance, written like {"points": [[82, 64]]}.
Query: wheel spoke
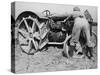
{"points": [[30, 46], [22, 40], [23, 33], [24, 44], [37, 22], [33, 25], [35, 44], [26, 24]]}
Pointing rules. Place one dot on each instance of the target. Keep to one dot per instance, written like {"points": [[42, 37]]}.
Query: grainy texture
{"points": [[50, 60], [34, 26]]}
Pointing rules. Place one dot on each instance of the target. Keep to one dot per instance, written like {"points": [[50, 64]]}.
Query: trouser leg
{"points": [[74, 42], [90, 45], [87, 31], [75, 34]]}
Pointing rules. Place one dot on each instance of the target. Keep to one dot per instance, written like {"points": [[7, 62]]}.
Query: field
{"points": [[50, 60]]}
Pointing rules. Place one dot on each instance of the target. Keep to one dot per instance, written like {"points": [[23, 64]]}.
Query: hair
{"points": [[76, 9]]}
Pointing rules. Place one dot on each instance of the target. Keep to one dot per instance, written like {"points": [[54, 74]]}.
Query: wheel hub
{"points": [[30, 35]]}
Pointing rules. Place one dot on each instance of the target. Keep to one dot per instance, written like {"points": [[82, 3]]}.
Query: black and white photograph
{"points": [[48, 37]]}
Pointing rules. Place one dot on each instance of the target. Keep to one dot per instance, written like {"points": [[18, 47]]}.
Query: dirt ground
{"points": [[50, 60]]}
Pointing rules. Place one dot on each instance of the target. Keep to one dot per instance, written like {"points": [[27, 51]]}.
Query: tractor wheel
{"points": [[28, 35]]}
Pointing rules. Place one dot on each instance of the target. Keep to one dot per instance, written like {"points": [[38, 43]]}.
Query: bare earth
{"points": [[50, 60]]}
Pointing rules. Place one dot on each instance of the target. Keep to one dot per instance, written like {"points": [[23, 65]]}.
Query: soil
{"points": [[50, 60]]}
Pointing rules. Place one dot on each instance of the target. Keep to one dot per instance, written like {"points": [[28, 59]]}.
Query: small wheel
{"points": [[94, 39], [28, 35]]}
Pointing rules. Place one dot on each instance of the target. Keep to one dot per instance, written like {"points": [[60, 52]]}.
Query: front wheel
{"points": [[28, 35]]}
